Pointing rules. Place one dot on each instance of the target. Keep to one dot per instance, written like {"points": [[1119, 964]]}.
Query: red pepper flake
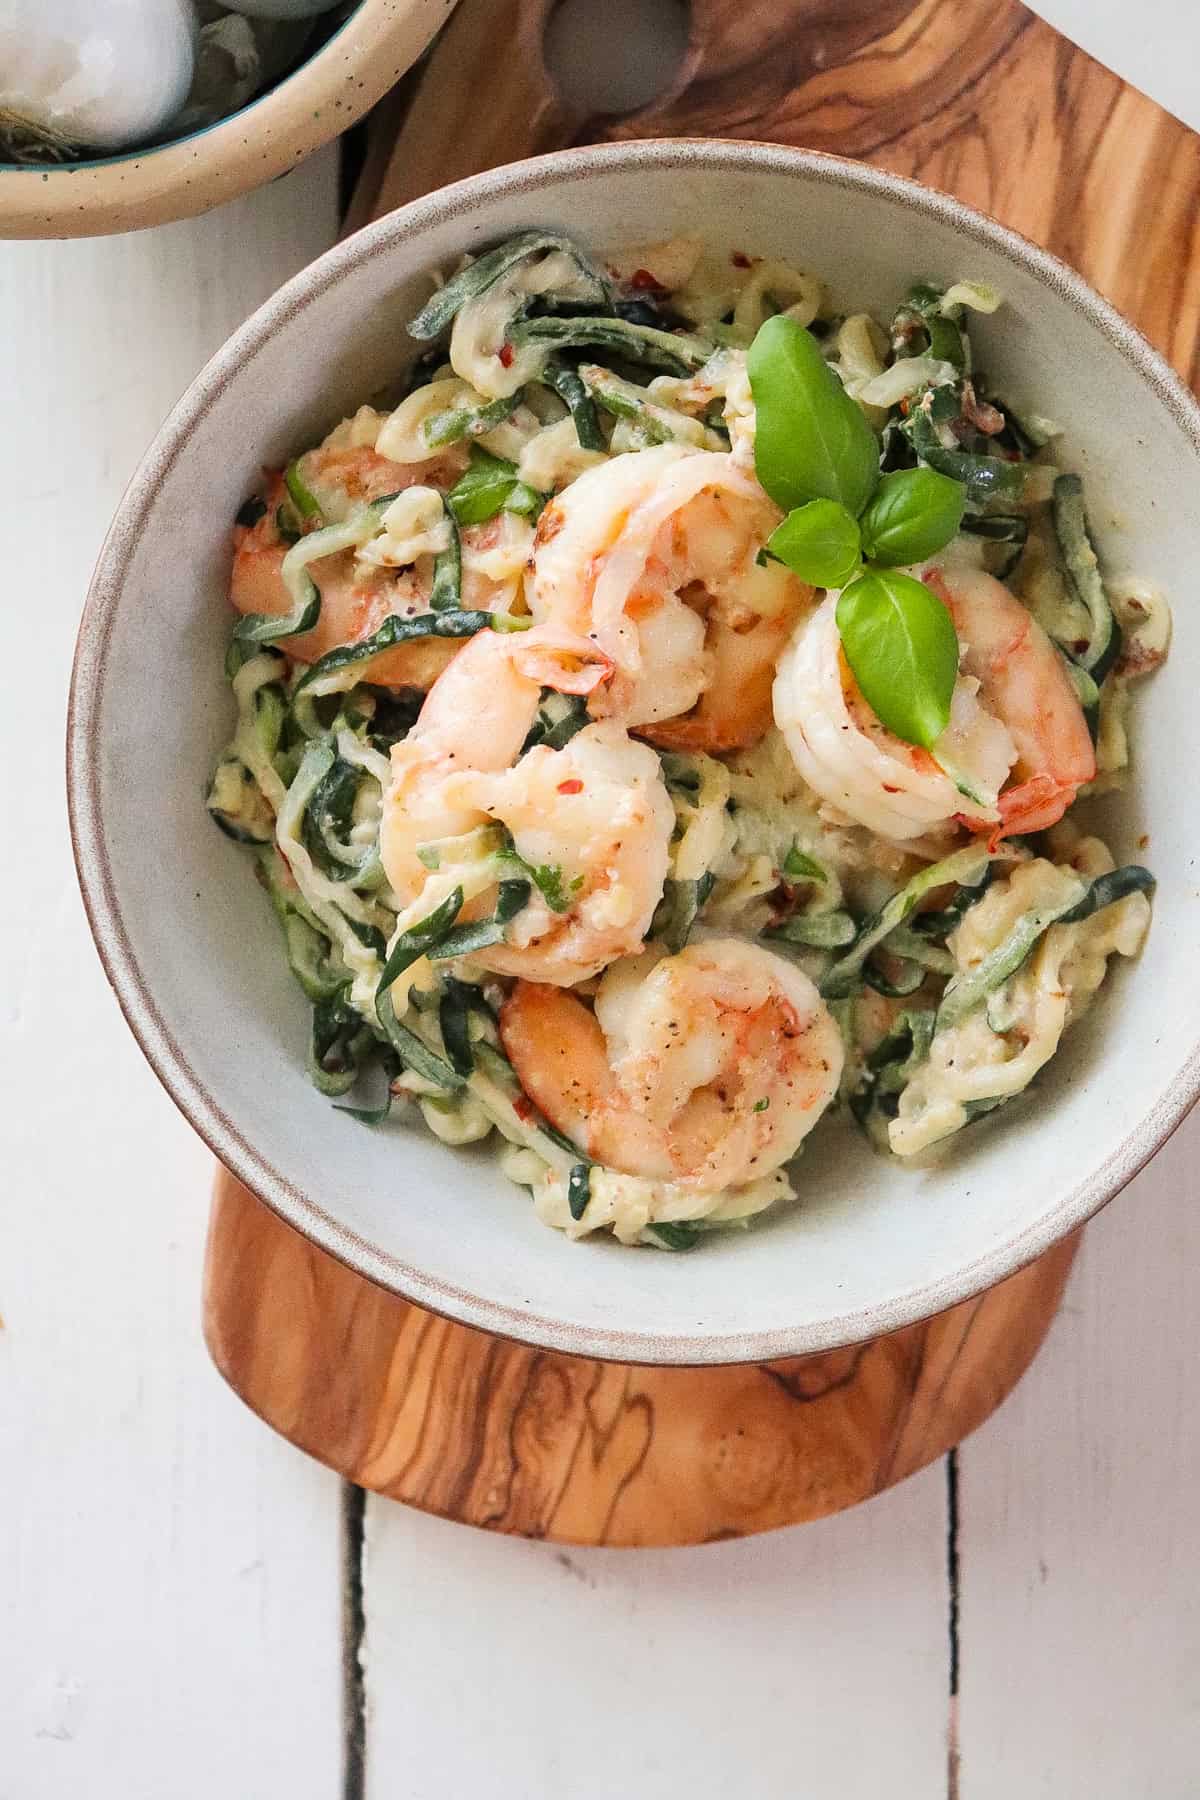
{"points": [[890, 790], [740, 260], [506, 355], [523, 1109], [642, 278], [570, 787]]}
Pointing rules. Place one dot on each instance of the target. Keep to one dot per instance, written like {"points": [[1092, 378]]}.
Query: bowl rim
{"points": [[133, 988], [327, 92]]}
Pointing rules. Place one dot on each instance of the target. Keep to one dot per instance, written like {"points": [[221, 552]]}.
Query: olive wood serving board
{"points": [[977, 97]]}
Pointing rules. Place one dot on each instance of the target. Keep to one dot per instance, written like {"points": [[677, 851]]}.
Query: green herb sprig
{"points": [[850, 527], [549, 879]]}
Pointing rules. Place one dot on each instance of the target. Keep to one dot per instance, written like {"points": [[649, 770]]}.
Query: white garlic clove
{"points": [[105, 73]]}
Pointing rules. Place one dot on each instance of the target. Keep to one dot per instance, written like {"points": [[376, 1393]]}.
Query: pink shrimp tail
{"points": [[562, 660], [1033, 805]]}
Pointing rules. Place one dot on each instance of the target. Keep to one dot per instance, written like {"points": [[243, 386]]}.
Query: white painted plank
{"points": [[1080, 1526], [809, 1662], [169, 1573]]}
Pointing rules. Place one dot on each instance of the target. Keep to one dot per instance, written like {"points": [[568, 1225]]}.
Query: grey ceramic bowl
{"points": [[193, 953]]}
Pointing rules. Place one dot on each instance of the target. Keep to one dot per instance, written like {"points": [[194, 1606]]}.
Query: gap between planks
{"points": [[354, 1698], [952, 1611], [356, 1659]]}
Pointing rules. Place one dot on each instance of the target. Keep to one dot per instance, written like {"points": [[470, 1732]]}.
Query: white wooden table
{"points": [[190, 1609]]}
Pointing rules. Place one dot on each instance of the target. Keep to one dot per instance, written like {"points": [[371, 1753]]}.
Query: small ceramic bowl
{"points": [[192, 949], [353, 69]]}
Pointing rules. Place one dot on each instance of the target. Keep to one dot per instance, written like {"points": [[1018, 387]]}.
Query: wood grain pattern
{"points": [[518, 1440], [977, 97], [447, 134]]}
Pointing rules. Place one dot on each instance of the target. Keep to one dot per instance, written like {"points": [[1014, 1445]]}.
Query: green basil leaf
{"points": [[819, 543], [812, 442], [912, 514], [489, 486], [480, 493], [901, 645], [525, 500]]}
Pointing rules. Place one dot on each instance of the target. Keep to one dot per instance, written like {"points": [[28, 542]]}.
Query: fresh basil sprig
{"points": [[818, 458]]}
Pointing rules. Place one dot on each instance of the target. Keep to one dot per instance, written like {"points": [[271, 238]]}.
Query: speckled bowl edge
{"points": [[264, 139]]}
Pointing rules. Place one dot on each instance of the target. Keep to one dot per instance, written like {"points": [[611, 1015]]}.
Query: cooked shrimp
{"points": [[652, 556], [474, 721], [708, 1068], [592, 820], [1014, 712], [1024, 680], [357, 595], [341, 478]]}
